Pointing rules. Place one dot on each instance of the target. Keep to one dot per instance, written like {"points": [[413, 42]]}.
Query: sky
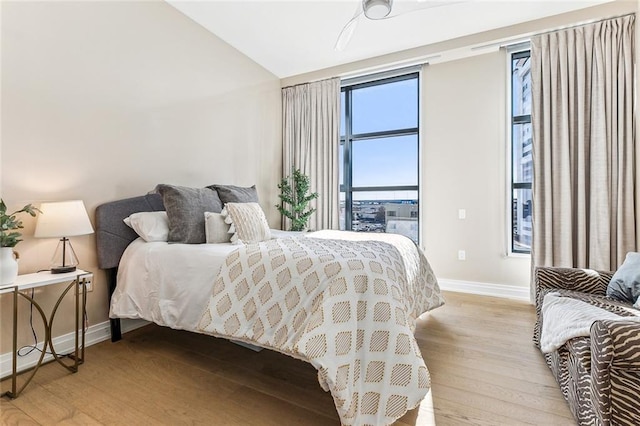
{"points": [[391, 160]]}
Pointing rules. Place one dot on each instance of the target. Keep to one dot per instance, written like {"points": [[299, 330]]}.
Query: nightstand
{"points": [[77, 280]]}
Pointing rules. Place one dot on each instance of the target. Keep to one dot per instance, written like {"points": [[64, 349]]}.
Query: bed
{"points": [[344, 302]]}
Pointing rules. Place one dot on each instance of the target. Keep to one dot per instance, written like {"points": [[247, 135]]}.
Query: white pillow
{"points": [[215, 228], [248, 222], [151, 226]]}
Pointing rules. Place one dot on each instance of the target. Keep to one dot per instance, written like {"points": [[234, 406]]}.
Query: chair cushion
{"points": [[625, 283]]}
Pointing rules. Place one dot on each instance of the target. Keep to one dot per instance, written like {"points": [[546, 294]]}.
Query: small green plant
{"points": [[294, 200], [9, 223]]}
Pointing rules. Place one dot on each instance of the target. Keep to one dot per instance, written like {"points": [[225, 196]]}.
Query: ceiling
{"points": [[297, 36]]}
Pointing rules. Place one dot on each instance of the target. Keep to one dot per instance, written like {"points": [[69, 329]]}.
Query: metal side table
{"points": [[77, 280]]}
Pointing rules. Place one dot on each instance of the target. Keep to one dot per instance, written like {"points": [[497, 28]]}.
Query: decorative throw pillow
{"points": [[248, 222], [185, 209], [625, 283], [215, 228], [151, 226], [236, 194]]}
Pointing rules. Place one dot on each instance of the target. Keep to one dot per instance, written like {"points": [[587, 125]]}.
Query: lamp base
{"points": [[62, 269], [64, 259]]}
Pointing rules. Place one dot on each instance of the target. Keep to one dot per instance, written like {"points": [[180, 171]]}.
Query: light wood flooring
{"points": [[484, 369]]}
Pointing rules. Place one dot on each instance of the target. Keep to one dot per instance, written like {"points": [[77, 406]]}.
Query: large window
{"points": [[379, 156], [521, 156]]}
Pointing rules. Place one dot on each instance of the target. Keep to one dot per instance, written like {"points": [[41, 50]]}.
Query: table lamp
{"points": [[63, 219]]}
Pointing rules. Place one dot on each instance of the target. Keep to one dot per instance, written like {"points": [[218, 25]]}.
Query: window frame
{"points": [[514, 52], [347, 140]]}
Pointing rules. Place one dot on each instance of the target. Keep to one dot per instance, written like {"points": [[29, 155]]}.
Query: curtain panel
{"points": [[311, 139], [584, 206]]}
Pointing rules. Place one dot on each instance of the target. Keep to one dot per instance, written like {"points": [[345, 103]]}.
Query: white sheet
{"points": [[164, 283]]}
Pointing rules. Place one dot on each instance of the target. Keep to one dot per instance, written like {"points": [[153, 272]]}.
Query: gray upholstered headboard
{"points": [[112, 235]]}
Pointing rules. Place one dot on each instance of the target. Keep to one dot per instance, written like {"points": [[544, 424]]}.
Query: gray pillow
{"points": [[625, 283], [185, 210], [236, 194]]}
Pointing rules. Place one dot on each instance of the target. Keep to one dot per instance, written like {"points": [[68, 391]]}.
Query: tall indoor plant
{"points": [[9, 237], [295, 198]]}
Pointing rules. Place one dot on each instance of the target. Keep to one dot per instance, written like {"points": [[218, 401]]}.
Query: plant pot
{"points": [[8, 265]]}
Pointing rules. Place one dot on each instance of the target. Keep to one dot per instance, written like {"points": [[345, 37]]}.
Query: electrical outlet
{"points": [[462, 255], [88, 283]]}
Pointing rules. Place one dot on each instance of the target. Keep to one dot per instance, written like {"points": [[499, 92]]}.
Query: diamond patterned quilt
{"points": [[346, 307]]}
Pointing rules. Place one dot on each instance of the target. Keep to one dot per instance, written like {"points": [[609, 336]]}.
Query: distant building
{"points": [[402, 218], [394, 217], [522, 155]]}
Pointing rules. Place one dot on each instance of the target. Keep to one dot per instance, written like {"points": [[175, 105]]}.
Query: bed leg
{"points": [[116, 331]]}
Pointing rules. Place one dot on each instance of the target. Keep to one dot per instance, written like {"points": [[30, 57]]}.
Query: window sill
{"points": [[519, 255]]}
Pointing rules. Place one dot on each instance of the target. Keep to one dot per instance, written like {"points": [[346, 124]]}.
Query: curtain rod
{"points": [[306, 82], [523, 38], [582, 24], [399, 67], [387, 72]]}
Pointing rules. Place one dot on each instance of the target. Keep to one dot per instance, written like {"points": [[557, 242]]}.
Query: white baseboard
{"points": [[65, 344], [485, 289]]}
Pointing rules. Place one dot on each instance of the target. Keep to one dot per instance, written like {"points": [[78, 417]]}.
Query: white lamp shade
{"points": [[63, 219]]}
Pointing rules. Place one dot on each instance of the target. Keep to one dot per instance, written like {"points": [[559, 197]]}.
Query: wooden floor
{"points": [[484, 370]]}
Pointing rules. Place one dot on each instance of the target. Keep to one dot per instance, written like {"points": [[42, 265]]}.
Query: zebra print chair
{"points": [[599, 376]]}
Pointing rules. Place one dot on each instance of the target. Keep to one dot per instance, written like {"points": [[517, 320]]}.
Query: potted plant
{"points": [[9, 237], [295, 198]]}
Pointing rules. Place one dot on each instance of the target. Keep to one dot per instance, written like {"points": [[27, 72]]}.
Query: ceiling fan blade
{"points": [[347, 32], [404, 7]]}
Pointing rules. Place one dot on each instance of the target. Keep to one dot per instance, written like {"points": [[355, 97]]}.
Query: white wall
{"points": [[104, 100], [464, 166]]}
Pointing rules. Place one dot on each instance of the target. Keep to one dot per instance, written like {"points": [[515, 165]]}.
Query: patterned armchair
{"points": [[599, 375]]}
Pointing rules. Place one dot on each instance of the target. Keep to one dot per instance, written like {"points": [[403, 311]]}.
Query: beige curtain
{"points": [[584, 205], [311, 127]]}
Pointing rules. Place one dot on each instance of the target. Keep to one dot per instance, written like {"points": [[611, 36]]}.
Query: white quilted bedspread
{"points": [[346, 307]]}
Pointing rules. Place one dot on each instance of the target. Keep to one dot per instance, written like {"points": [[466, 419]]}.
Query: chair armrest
{"points": [[615, 371], [550, 278], [582, 280]]}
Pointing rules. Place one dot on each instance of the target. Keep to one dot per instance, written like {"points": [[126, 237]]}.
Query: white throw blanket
{"points": [[564, 318]]}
